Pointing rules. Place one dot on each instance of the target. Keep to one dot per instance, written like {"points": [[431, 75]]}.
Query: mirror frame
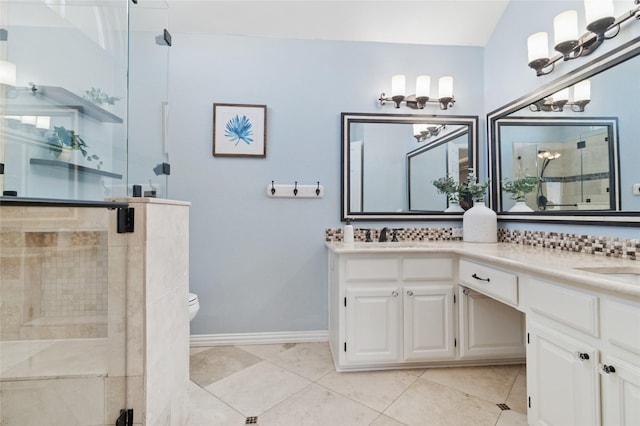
{"points": [[349, 117], [611, 218]]}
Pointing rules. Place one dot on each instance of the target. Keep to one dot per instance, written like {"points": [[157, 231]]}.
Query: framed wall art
{"points": [[239, 130]]}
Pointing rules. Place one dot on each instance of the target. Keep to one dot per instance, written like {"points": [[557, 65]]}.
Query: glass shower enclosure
{"points": [[83, 124]]}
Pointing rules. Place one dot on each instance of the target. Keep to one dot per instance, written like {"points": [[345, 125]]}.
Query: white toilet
{"points": [[194, 305]]}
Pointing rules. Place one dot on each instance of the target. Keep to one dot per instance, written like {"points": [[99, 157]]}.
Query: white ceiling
{"points": [[435, 22]]}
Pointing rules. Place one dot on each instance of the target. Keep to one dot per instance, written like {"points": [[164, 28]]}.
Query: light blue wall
{"points": [[259, 264], [506, 55]]}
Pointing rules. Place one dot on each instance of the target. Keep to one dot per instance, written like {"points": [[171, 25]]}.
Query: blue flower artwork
{"points": [[239, 129]]}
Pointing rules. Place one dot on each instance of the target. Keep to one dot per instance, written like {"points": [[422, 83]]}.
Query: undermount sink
{"points": [[627, 273]]}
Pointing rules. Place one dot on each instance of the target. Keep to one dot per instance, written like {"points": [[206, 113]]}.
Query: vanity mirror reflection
{"points": [[584, 154], [389, 163]]}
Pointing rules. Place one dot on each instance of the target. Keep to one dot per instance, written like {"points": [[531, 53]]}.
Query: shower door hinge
{"points": [[125, 220], [125, 418]]}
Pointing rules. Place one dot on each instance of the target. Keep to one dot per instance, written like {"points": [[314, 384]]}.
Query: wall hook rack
{"points": [[294, 190]]}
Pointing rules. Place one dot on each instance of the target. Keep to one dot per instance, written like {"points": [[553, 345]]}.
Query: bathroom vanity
{"points": [[574, 317]]}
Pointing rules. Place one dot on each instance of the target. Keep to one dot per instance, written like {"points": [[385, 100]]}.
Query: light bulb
{"points": [[582, 91], [538, 46], [398, 86], [423, 83], [597, 9], [445, 87], [565, 26], [7, 73]]}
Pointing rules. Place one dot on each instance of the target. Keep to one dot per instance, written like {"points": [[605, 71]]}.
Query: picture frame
{"points": [[239, 130]]}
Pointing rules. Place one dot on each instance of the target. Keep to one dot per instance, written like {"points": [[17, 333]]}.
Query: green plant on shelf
{"points": [[61, 140], [98, 97], [520, 187]]}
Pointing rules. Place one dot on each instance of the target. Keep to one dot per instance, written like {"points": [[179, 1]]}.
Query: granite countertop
{"points": [[555, 264]]}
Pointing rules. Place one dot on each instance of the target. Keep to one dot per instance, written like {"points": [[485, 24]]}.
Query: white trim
{"points": [[258, 338]]}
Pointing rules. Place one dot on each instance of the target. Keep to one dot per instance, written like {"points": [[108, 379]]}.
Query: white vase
{"points": [[480, 224], [454, 207], [520, 206]]}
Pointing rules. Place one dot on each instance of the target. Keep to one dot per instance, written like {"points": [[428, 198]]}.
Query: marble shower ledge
{"points": [[552, 263]]}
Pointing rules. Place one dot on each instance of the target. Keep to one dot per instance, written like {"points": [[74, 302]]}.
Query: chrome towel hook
{"points": [[295, 188], [273, 188]]}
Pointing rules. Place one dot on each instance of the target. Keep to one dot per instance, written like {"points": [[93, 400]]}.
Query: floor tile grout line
{"points": [[475, 396], [221, 400], [401, 394]]}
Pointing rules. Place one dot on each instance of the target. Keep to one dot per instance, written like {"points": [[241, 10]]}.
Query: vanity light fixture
{"points": [[423, 92], [600, 21], [560, 99], [422, 132]]}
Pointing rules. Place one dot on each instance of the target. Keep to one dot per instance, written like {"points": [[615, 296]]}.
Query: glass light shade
{"points": [[445, 87], [423, 86], [561, 95], [398, 85], [43, 122], [7, 73], [597, 9], [565, 26], [582, 91], [28, 119], [538, 46], [419, 128]]}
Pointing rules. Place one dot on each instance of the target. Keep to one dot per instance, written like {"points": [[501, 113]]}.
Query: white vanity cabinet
{"points": [[388, 309], [583, 356], [562, 379]]}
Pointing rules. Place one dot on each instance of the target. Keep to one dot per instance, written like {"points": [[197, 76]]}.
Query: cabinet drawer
{"points": [[372, 268], [425, 269], [501, 285], [621, 324], [570, 307]]}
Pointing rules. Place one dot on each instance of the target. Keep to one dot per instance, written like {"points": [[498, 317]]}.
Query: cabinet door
{"points": [[429, 331], [562, 379], [373, 324], [620, 392], [489, 328]]}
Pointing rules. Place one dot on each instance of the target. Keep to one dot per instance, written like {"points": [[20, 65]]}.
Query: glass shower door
{"points": [[62, 316]]}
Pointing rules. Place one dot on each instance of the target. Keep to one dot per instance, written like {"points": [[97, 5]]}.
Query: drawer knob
{"points": [[608, 368], [394, 294], [409, 293], [480, 278], [582, 356]]}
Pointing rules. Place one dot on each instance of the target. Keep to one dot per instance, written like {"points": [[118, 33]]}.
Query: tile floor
{"points": [[296, 384]]}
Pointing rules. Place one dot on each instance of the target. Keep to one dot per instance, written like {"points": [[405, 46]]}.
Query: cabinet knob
{"points": [[409, 293], [582, 356], [394, 294], [608, 368]]}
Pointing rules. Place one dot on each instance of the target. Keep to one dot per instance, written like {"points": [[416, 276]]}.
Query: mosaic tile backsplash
{"points": [[597, 245]]}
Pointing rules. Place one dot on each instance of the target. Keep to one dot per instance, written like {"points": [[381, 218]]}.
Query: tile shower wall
{"points": [[596, 245], [54, 283]]}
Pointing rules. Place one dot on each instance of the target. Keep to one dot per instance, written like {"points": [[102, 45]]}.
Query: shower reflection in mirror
{"points": [[576, 161]]}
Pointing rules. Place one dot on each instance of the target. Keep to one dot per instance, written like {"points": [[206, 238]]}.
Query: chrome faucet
{"points": [[383, 235]]}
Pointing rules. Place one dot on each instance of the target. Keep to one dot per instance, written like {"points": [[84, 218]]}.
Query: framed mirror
{"points": [[582, 153], [389, 163]]}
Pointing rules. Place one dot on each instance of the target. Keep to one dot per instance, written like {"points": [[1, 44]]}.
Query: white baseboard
{"points": [[258, 338]]}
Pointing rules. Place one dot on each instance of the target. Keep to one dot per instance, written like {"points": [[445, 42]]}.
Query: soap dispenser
{"points": [[348, 233]]}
